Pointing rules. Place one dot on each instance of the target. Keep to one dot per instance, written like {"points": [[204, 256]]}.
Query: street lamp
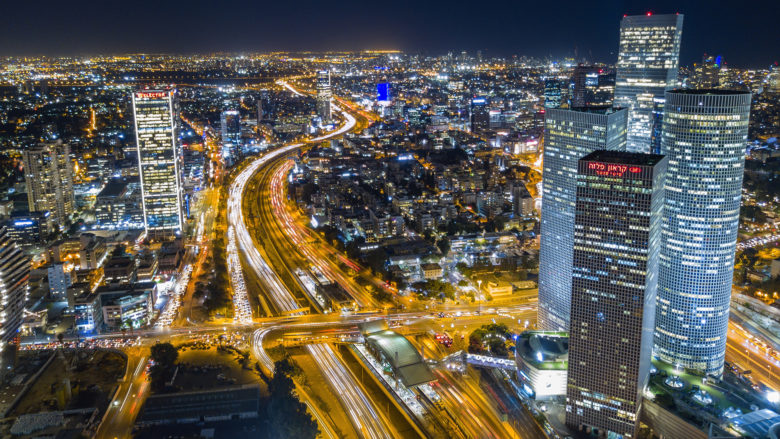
{"points": [[479, 295]]}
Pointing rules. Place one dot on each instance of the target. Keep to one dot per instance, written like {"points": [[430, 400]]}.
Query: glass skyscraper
{"points": [[324, 95], [647, 65], [553, 93], [593, 86], [617, 230], [14, 277], [230, 121], [158, 160], [569, 135], [704, 137]]}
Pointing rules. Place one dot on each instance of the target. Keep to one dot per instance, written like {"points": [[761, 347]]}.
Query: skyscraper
{"points": [[553, 93], [617, 230], [647, 65], [704, 138], [324, 95], [593, 86], [158, 160], [48, 177], [480, 115], [707, 73], [13, 286], [230, 124], [568, 136]]}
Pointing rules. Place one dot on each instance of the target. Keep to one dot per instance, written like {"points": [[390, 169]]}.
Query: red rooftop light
{"points": [[649, 13]]}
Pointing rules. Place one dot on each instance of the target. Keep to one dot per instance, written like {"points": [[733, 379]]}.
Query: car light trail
{"points": [[174, 299], [242, 310], [360, 409], [322, 257]]}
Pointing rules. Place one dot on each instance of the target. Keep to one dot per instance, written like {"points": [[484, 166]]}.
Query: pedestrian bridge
{"points": [[482, 360]]}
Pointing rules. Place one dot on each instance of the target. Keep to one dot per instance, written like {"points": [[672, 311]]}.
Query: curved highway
{"points": [[369, 421]]}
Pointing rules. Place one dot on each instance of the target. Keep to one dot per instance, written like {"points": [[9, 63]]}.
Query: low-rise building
{"points": [[93, 251], [241, 402], [120, 270], [542, 361], [59, 281], [432, 271]]}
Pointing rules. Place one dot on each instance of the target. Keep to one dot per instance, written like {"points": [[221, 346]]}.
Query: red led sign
{"points": [[612, 169], [151, 94]]}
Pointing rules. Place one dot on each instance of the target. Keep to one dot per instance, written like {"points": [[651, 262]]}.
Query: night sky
{"points": [[745, 36]]}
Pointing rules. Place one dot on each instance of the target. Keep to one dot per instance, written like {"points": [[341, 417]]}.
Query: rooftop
{"points": [[544, 349], [604, 109], [402, 356], [195, 405], [114, 188], [708, 91]]}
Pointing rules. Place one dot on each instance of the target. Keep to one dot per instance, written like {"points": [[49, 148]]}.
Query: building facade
{"points": [[707, 73], [569, 136], [479, 115], [542, 361], [230, 124], [59, 281], [553, 93], [324, 96], [593, 86], [14, 277], [616, 244], [48, 177], [705, 133], [118, 205], [647, 64], [158, 160]]}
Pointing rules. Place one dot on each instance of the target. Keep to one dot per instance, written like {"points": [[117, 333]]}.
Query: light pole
{"points": [[479, 295]]}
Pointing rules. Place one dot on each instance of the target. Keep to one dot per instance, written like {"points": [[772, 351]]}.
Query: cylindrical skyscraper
{"points": [[704, 138]]}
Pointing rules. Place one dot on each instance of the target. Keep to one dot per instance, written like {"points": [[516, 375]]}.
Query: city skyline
{"points": [[425, 29], [440, 241]]}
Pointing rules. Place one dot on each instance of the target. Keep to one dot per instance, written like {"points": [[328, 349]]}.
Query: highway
{"points": [[751, 353], [365, 417], [130, 396], [293, 241], [291, 238], [307, 244]]}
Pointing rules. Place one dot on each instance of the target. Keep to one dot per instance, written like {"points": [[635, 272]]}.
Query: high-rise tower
{"points": [[617, 231], [704, 138], [647, 64], [230, 125], [480, 115], [707, 74], [13, 286], [593, 86], [158, 160], [324, 95], [553, 93], [569, 135], [48, 176]]}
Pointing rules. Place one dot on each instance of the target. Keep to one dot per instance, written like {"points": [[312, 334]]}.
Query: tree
{"points": [[164, 356], [287, 416], [375, 259], [444, 245], [499, 223]]}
